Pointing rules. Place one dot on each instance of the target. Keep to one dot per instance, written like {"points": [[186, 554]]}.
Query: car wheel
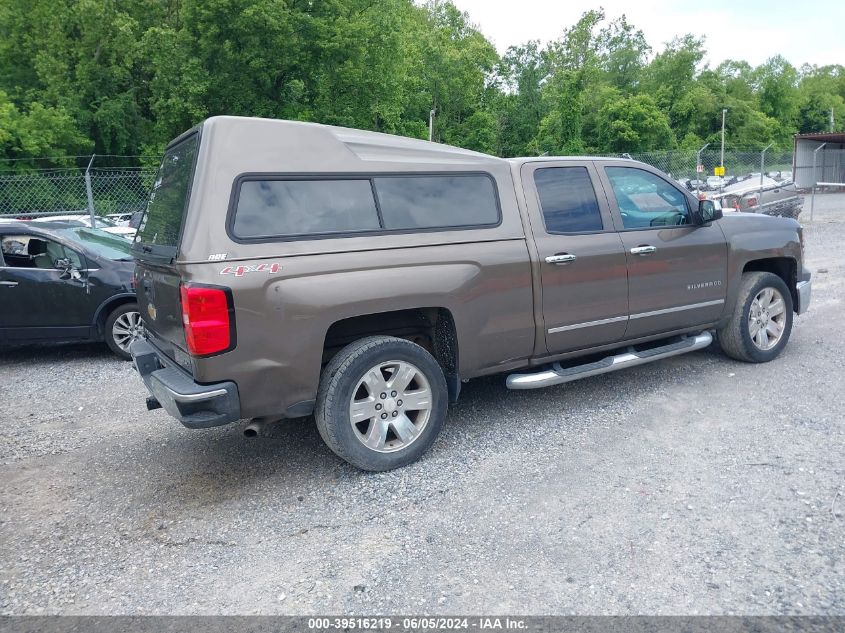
{"points": [[761, 323], [123, 327], [381, 403]]}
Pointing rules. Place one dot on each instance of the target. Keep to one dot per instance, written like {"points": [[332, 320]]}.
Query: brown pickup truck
{"points": [[288, 269]]}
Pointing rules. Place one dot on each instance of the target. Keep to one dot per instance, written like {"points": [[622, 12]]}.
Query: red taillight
{"points": [[205, 313]]}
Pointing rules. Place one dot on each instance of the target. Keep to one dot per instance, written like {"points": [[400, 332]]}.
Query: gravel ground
{"points": [[695, 485]]}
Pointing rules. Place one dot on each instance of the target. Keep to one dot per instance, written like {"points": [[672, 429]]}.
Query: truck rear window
{"points": [[568, 200], [162, 220], [283, 207]]}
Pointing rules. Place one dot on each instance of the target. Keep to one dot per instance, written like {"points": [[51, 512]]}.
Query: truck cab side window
{"points": [[568, 200], [646, 200]]}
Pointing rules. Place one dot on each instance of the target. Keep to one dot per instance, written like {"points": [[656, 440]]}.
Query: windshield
{"points": [[99, 242], [162, 221]]}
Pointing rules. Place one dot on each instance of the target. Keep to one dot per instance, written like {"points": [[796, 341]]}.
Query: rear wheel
{"points": [[123, 327], [381, 403], [760, 326]]}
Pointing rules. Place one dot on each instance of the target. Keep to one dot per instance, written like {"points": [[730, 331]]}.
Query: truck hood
{"points": [[734, 222]]}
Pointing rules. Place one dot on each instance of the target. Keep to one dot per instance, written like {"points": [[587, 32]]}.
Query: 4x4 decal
{"points": [[240, 271]]}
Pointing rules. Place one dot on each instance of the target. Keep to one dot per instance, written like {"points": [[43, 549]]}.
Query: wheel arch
{"points": [[783, 266], [108, 306], [433, 328]]}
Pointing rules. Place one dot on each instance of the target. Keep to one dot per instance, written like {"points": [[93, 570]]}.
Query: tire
{"points": [[125, 317], [752, 313], [357, 377]]}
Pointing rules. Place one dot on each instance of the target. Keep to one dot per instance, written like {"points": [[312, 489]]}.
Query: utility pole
{"points": [[431, 114], [832, 125], [722, 159]]}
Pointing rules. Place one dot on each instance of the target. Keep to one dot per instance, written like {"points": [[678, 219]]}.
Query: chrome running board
{"points": [[558, 374]]}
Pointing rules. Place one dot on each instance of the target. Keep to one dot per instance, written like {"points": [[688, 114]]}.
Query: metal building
{"points": [[819, 160]]}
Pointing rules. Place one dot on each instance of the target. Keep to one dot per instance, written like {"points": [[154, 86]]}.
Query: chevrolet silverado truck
{"points": [[286, 269]]}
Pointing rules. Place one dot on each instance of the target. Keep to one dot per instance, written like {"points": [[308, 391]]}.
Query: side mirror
{"points": [[708, 212], [68, 270]]}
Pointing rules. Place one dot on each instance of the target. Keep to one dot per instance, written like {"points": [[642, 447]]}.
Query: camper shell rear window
{"points": [[267, 207], [161, 224]]}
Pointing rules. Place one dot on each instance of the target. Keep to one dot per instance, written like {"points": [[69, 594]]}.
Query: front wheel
{"points": [[123, 327], [381, 403], [761, 323]]}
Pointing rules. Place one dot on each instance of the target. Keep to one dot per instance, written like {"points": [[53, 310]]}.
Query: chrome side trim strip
{"points": [[575, 326], [641, 315], [691, 306]]}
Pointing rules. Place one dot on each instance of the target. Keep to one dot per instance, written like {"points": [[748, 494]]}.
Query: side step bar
{"points": [[558, 374]]}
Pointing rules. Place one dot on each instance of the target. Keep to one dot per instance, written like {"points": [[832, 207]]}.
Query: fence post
{"points": [[815, 180], [88, 191], [698, 176], [763, 163]]}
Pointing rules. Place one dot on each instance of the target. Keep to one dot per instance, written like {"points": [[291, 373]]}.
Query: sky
{"points": [[809, 31]]}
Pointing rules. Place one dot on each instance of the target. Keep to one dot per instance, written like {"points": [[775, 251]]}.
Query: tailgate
{"points": [[161, 308], [156, 245]]}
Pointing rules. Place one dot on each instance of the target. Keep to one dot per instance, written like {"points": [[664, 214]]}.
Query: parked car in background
{"points": [[289, 268], [774, 198], [119, 219], [135, 219], [61, 281], [749, 182], [100, 223], [715, 182]]}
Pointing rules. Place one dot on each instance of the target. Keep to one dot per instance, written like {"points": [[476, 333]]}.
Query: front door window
{"points": [[26, 251], [646, 200]]}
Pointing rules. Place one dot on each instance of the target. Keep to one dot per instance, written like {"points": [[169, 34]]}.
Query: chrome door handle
{"points": [[9, 283], [643, 250], [564, 258]]}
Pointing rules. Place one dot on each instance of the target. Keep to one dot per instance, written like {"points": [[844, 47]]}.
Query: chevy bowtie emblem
{"points": [[151, 310]]}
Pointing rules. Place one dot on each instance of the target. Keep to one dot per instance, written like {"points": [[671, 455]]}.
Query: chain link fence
{"points": [[26, 193], [692, 165], [33, 192]]}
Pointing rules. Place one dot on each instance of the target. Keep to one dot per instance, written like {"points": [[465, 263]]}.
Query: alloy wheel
{"points": [[127, 329], [767, 318], [390, 406]]}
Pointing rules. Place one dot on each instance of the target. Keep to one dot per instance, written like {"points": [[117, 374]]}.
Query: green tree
{"points": [[126, 76], [635, 124], [41, 132], [522, 72], [821, 90], [624, 53]]}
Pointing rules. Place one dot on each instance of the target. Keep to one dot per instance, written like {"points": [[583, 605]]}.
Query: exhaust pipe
{"points": [[258, 426]]}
